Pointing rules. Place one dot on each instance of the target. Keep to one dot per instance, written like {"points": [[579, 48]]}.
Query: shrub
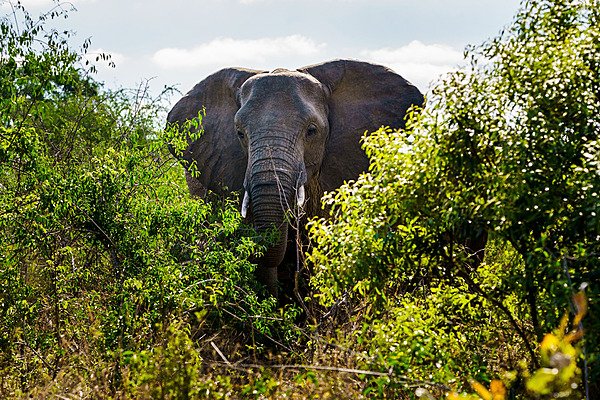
{"points": [[507, 148], [102, 246]]}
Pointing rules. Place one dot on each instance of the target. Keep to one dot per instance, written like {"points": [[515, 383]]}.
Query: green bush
{"points": [[507, 148], [102, 245]]}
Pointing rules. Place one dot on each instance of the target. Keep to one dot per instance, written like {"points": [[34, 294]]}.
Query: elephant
{"points": [[283, 138]]}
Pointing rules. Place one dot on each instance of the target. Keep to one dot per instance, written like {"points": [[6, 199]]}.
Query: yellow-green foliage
{"points": [[101, 243], [509, 148], [559, 376]]}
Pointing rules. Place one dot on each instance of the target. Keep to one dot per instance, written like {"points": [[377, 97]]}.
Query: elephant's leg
{"points": [[268, 276]]}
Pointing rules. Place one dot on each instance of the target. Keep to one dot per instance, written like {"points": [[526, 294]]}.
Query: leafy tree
{"points": [[507, 148], [104, 253]]}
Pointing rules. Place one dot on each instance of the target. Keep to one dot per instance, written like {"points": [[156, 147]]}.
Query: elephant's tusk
{"points": [[301, 196], [245, 204]]}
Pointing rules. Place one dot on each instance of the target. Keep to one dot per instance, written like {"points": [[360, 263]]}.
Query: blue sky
{"points": [[179, 42]]}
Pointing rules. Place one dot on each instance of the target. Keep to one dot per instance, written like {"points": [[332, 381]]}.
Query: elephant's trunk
{"points": [[268, 215], [272, 190]]}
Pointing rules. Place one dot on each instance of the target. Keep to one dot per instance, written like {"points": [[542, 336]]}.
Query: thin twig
{"points": [[38, 355], [390, 374], [214, 346]]}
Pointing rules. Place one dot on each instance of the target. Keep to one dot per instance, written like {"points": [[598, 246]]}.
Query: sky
{"points": [[180, 42]]}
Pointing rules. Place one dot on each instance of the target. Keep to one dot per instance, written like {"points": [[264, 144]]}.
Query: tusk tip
{"points": [[245, 204], [301, 196]]}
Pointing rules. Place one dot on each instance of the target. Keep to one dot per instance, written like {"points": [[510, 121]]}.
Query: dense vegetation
{"points": [[506, 150], [116, 284]]}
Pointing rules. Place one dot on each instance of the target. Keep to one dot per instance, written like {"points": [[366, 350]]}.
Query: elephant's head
{"points": [[282, 138]]}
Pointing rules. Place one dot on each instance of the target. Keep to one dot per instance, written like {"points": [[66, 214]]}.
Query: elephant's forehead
{"points": [[281, 84]]}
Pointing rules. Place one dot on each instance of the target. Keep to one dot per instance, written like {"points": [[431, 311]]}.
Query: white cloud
{"points": [[116, 57], [418, 62], [228, 51]]}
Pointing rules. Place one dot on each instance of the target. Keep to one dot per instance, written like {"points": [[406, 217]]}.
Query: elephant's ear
{"points": [[363, 97], [217, 154]]}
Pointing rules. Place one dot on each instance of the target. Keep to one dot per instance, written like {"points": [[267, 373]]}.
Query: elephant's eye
{"points": [[240, 133], [311, 131]]}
